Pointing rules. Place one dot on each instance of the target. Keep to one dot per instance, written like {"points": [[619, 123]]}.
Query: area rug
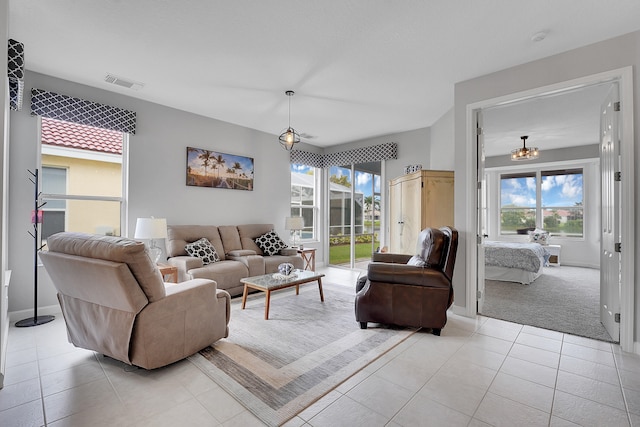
{"points": [[278, 367], [564, 299]]}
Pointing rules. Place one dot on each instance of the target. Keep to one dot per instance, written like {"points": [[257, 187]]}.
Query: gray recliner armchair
{"points": [[114, 301]]}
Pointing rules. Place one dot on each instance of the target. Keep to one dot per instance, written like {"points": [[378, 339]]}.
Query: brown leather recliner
{"points": [[396, 293]]}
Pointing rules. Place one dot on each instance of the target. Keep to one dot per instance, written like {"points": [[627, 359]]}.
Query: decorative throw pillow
{"points": [[204, 250], [416, 261], [430, 245], [270, 243], [539, 236]]}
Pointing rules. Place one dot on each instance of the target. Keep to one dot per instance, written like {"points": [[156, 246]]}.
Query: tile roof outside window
{"points": [[73, 135]]}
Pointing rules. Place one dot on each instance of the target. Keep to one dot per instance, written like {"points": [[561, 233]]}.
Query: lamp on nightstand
{"points": [[295, 224], [151, 229]]}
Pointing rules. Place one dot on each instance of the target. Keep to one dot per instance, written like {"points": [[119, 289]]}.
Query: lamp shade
{"points": [[293, 223], [151, 228]]}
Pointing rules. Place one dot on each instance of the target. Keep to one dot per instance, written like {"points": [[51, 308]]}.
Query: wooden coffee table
{"points": [[268, 283]]}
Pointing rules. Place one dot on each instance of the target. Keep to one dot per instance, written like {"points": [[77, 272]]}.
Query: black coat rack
{"points": [[37, 246]]}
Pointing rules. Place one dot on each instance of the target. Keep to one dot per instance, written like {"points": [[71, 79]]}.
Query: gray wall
{"points": [[157, 162], [607, 55], [442, 147]]}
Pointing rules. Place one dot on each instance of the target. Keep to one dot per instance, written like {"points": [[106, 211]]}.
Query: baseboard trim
{"points": [[460, 311], [50, 310], [578, 264]]}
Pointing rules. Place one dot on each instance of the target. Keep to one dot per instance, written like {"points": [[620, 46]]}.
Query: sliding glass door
{"points": [[354, 214]]}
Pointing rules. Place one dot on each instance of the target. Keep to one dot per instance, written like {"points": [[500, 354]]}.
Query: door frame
{"points": [[627, 227]]}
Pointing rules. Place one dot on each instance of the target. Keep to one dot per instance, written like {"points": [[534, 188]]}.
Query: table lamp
{"points": [[151, 229], [295, 224]]}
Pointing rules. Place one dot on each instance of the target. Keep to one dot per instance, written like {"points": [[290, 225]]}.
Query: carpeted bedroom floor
{"points": [[563, 298]]}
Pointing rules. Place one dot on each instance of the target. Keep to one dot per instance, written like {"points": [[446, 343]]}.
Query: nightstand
{"points": [[554, 250], [308, 258], [169, 272]]}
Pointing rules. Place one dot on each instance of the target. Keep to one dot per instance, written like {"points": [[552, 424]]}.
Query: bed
{"points": [[514, 262]]}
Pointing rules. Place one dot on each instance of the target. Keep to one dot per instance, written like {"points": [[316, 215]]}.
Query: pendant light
{"points": [[289, 137], [524, 153]]}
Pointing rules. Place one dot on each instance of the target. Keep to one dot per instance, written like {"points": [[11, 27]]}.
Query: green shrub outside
{"points": [[345, 240], [339, 250]]}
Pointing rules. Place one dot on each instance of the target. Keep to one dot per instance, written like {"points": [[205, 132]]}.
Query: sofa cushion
{"points": [[241, 252], [271, 263], [179, 235], [226, 274], [248, 234], [204, 250], [230, 238], [270, 243]]}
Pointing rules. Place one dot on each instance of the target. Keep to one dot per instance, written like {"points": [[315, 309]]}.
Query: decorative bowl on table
{"points": [[286, 268], [285, 272]]}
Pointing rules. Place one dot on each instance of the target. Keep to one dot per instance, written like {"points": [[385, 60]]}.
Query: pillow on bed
{"points": [[539, 236]]}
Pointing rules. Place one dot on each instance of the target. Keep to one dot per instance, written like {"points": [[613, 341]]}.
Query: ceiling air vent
{"points": [[120, 81]]}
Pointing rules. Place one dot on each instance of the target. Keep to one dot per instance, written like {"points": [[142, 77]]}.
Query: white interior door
{"points": [[610, 267], [482, 231]]}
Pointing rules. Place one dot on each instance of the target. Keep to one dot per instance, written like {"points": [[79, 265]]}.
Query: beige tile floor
{"points": [[480, 372]]}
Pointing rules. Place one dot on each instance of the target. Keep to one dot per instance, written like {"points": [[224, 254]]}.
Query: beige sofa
{"points": [[240, 257], [114, 301]]}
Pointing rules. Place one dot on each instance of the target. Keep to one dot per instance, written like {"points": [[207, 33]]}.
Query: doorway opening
{"points": [[482, 208]]}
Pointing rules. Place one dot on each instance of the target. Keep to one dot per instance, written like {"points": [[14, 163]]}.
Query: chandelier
{"points": [[524, 153], [289, 137]]}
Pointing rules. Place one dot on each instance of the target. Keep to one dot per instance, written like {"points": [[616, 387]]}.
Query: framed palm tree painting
{"points": [[206, 168]]}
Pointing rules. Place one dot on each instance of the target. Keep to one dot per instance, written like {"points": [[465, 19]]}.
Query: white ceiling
{"points": [[565, 119], [360, 68]]}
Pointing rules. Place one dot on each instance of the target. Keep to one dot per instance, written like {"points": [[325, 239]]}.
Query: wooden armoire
{"points": [[418, 200]]}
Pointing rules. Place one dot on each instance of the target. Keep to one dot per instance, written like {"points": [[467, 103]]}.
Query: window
{"points": [[340, 183], [562, 205], [54, 181], [549, 199], [303, 198], [82, 178]]}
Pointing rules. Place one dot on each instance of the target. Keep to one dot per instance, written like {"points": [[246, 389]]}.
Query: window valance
{"points": [[306, 158], [76, 110], [16, 91], [373, 153], [15, 72]]}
